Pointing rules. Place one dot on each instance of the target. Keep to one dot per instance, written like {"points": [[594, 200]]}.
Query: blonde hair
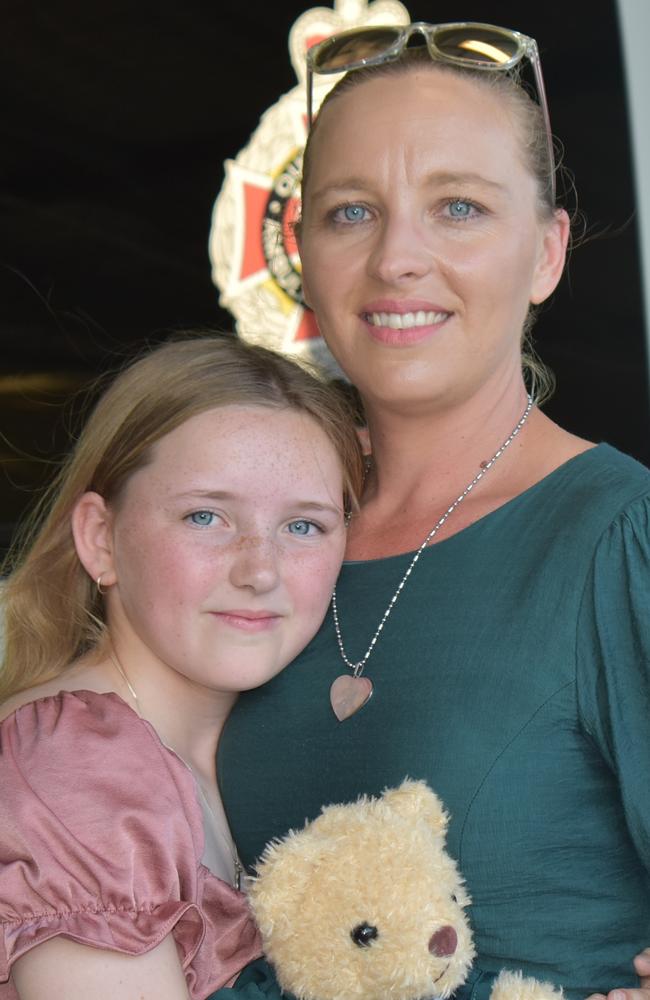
{"points": [[529, 121], [53, 612]]}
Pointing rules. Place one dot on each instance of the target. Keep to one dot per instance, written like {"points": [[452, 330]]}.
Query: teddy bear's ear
{"points": [[415, 799], [284, 872], [279, 855]]}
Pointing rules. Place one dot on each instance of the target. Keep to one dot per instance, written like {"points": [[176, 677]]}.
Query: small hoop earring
{"points": [[98, 583]]}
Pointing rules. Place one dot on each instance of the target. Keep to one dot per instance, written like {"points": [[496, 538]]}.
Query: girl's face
{"points": [[421, 240], [226, 546]]}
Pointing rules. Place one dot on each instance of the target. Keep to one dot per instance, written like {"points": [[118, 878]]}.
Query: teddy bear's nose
{"points": [[443, 942]]}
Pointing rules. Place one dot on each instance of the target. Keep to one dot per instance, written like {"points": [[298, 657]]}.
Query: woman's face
{"points": [[226, 547], [421, 243]]}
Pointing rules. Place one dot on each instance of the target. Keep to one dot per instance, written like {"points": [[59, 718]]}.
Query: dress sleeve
{"points": [[100, 834], [613, 663]]}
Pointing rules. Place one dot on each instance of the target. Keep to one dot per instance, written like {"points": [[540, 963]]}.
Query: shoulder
{"points": [[606, 464], [85, 676], [591, 490], [95, 811], [36, 721], [619, 468], [615, 490], [101, 838], [73, 754], [579, 513], [626, 535]]}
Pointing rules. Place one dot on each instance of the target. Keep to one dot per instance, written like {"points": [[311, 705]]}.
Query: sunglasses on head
{"points": [[482, 47]]}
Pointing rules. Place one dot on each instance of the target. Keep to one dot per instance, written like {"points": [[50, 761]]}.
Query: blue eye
{"points": [[201, 518], [350, 213], [353, 213], [459, 209], [302, 528]]}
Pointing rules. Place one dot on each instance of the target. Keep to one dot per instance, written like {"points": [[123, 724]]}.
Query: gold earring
{"points": [[98, 584]]}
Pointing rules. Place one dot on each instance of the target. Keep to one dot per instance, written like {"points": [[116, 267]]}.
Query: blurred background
{"points": [[117, 119]]}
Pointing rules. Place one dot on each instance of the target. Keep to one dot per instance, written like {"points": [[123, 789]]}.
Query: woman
{"points": [[166, 576], [489, 632]]}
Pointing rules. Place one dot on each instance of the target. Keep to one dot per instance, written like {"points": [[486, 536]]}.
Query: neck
{"points": [[441, 448], [187, 717], [423, 463]]}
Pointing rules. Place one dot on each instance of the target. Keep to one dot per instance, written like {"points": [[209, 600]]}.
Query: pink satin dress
{"points": [[101, 839]]}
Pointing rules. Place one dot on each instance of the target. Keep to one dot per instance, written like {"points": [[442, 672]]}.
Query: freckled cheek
{"points": [[311, 579], [162, 573]]}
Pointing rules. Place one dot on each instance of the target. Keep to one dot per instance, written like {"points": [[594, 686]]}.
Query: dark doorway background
{"points": [[118, 116]]}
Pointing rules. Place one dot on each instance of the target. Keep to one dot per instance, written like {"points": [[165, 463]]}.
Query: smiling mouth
{"points": [[405, 321]]}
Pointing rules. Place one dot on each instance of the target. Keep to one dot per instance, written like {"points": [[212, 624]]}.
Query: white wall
{"points": [[634, 19]]}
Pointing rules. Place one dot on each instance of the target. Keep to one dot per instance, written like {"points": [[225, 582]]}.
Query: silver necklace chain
{"points": [[357, 668], [236, 863]]}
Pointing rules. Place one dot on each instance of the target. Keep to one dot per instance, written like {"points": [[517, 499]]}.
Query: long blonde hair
{"points": [[52, 611]]}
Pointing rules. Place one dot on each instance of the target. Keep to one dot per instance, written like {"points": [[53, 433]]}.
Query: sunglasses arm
{"points": [[535, 61]]}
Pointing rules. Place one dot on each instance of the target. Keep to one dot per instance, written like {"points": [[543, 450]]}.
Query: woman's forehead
{"points": [[418, 91], [420, 115]]}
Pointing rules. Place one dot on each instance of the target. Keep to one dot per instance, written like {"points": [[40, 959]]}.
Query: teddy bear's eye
{"points": [[363, 934], [454, 898]]}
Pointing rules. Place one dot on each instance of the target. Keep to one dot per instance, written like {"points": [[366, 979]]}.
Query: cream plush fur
{"points": [[356, 905]]}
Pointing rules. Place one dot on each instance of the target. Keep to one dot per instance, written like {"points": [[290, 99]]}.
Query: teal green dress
{"points": [[514, 677]]}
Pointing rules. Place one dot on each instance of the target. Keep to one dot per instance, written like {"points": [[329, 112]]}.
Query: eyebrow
{"points": [[313, 505], [346, 184], [204, 494], [458, 177], [436, 177], [307, 505]]}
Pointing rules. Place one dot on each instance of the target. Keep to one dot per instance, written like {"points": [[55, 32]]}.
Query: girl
{"points": [[189, 551]]}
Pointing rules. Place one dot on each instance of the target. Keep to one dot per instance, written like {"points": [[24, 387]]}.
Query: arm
{"points": [[99, 859], [616, 714], [64, 970]]}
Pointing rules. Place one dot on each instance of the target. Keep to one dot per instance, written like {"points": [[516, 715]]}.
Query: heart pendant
{"points": [[349, 694]]}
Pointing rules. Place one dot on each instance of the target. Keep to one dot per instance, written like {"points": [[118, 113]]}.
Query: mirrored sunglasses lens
{"points": [[477, 44], [348, 50]]}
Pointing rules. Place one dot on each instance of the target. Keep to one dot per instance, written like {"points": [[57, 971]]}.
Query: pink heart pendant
{"points": [[349, 694]]}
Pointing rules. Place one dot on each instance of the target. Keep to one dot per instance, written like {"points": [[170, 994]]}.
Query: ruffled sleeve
{"points": [[613, 659], [101, 838]]}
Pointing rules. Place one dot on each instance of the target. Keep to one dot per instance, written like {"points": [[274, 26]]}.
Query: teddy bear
{"points": [[364, 903]]}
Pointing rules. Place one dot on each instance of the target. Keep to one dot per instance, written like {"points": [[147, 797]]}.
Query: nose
{"points": [[254, 564], [400, 253], [444, 942]]}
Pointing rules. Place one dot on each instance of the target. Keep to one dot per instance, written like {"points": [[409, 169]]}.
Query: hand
{"points": [[642, 992]]}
